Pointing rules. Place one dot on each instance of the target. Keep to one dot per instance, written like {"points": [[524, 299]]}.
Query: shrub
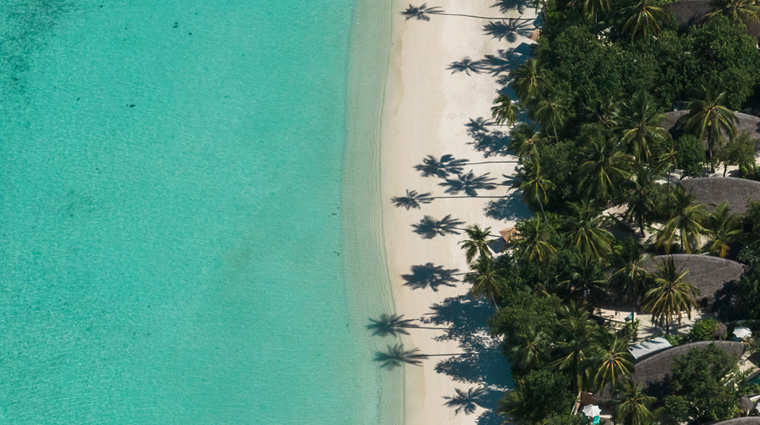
{"points": [[690, 156]]}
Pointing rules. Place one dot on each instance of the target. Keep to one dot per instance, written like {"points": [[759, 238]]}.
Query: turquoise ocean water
{"points": [[179, 240]]}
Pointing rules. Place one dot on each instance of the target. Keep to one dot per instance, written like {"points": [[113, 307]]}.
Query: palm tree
{"points": [[525, 141], [603, 111], [576, 329], [644, 19], [723, 229], [584, 231], [586, 279], [486, 279], [643, 127], [671, 296], [534, 242], [642, 196], [628, 281], [468, 401], [504, 110], [528, 349], [685, 218], [666, 159], [520, 409], [708, 118], [469, 183], [412, 199], [533, 184], [603, 169], [612, 360], [391, 324], [551, 112], [633, 404], [737, 11], [591, 8], [397, 356], [477, 244], [440, 168], [526, 79]]}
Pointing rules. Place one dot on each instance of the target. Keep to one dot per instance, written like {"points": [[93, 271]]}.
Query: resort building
{"points": [[692, 12], [709, 274], [716, 190], [746, 122], [656, 367]]}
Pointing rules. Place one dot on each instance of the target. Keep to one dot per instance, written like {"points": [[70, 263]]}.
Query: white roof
{"points": [[643, 348]]}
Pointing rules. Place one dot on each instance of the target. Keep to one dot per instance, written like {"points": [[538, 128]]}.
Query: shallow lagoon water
{"points": [[172, 215]]}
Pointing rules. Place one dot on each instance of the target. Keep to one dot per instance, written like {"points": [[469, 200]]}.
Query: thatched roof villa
{"points": [[746, 122], [692, 12], [737, 192], [709, 274], [656, 367]]}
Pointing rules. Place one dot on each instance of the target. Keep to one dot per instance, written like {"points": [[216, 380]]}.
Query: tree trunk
{"points": [[541, 205], [494, 302], [667, 325], [710, 155], [556, 137]]}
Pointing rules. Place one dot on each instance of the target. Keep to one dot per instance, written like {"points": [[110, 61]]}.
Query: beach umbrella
{"points": [[742, 332], [591, 410], [757, 407]]}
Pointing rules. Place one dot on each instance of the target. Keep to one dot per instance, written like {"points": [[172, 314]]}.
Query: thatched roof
{"points": [[746, 122], [508, 233], [747, 420], [737, 192], [692, 12], [709, 274], [656, 367]]}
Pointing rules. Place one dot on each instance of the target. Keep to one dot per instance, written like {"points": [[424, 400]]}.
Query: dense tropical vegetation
{"points": [[600, 173]]}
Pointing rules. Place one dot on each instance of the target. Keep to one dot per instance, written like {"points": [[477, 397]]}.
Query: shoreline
{"points": [[425, 111], [368, 285]]}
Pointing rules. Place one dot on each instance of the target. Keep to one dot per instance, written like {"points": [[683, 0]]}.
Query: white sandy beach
{"points": [[425, 112]]}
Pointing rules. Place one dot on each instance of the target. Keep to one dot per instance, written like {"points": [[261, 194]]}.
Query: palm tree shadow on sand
{"points": [[430, 275], [509, 208], [465, 320], [429, 227], [465, 65], [468, 402], [508, 30], [505, 6], [468, 183], [485, 140]]}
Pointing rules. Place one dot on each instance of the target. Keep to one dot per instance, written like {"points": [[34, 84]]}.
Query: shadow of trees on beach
{"points": [[485, 140], [429, 227], [466, 322], [506, 59], [413, 199], [468, 183], [509, 208], [508, 30], [430, 275], [434, 167], [465, 65], [505, 6], [421, 12]]}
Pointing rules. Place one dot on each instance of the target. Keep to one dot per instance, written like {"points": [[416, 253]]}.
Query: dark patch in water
{"points": [[24, 26]]}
